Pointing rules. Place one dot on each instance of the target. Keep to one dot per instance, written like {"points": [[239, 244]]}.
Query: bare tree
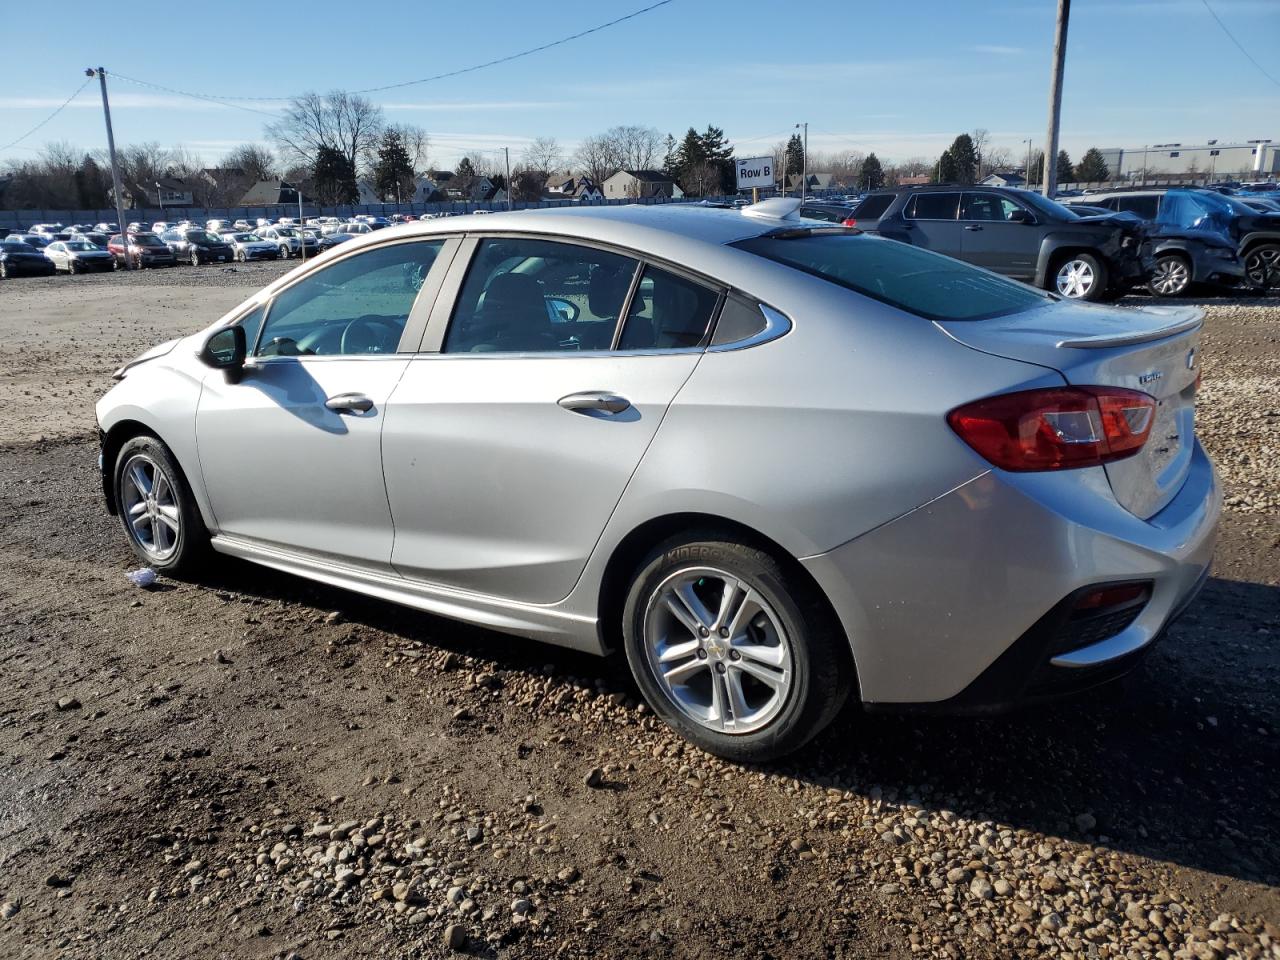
{"points": [[417, 143], [634, 147], [345, 122], [981, 138], [543, 154], [998, 158], [596, 159], [257, 162]]}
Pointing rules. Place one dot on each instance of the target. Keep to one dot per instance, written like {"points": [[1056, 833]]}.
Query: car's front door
{"points": [[992, 236], [930, 222], [290, 453], [507, 449]]}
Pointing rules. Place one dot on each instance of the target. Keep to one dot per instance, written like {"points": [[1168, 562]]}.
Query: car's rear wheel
{"points": [[732, 650], [157, 508], [1262, 266], [1080, 276], [1170, 277]]}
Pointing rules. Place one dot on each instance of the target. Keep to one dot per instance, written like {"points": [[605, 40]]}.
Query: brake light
{"points": [[1060, 428], [850, 222]]}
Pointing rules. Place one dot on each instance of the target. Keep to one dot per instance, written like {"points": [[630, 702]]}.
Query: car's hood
{"points": [[159, 350]]}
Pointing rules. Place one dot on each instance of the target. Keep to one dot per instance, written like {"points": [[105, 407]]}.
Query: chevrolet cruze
{"points": [[774, 461]]}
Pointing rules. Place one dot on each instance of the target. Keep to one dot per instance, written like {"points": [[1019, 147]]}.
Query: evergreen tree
{"points": [[945, 171], [795, 155], [719, 156], [465, 169], [393, 173], [334, 177], [872, 175], [670, 159], [1092, 168], [1066, 169], [965, 160]]}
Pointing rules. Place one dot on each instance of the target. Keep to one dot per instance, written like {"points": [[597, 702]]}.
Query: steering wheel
{"points": [[364, 335]]}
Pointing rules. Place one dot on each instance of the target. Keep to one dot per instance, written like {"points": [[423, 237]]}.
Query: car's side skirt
{"points": [[537, 622]]}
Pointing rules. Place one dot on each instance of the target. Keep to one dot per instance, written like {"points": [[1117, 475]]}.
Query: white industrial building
{"points": [[1253, 159]]}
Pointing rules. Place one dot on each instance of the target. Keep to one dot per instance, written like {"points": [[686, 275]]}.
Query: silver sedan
{"points": [[776, 462]]}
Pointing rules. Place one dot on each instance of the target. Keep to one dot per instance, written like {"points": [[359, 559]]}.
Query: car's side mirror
{"points": [[225, 349], [1020, 216]]}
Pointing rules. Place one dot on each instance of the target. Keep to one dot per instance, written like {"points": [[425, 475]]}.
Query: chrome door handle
{"points": [[595, 400], [349, 403], [975, 227]]}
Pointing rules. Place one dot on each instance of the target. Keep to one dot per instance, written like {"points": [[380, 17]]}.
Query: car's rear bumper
{"points": [[959, 605], [31, 269]]}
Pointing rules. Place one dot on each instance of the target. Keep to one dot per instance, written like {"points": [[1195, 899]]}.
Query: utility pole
{"points": [[302, 233], [506, 152], [804, 160], [1055, 99], [101, 74], [1027, 178]]}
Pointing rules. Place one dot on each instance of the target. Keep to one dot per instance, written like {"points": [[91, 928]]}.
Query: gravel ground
{"points": [[256, 766]]}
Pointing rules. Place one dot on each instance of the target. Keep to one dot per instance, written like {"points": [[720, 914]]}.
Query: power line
{"points": [[1238, 44], [48, 118], [237, 101]]}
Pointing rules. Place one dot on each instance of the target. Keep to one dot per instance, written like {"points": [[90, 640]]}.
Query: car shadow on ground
{"points": [[1175, 762]]}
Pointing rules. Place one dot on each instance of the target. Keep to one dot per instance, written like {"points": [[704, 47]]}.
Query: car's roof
{"points": [[628, 225]]}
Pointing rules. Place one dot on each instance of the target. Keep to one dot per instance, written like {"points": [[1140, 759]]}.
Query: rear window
{"points": [[873, 207], [918, 281]]}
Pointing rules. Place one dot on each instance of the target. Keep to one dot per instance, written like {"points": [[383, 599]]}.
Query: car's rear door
{"points": [[291, 451], [513, 434], [930, 221], [990, 239]]}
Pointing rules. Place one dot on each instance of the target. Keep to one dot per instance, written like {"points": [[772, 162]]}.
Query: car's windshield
{"points": [[245, 237], [286, 231], [201, 236], [1044, 205], [147, 240], [918, 281], [80, 245]]}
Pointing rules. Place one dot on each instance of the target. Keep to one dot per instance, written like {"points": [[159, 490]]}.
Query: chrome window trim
{"points": [[776, 325]]}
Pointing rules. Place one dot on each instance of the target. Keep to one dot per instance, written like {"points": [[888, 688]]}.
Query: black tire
{"points": [[240, 257], [821, 662], [195, 259], [1262, 266], [191, 545], [4, 271], [1171, 276], [1097, 288], [284, 252], [72, 268]]}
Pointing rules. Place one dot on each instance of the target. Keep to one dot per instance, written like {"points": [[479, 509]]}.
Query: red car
{"points": [[145, 250]]}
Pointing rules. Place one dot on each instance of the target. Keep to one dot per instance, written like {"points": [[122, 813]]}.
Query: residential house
{"points": [[639, 184], [1003, 178], [166, 191], [266, 193], [473, 189], [814, 183], [220, 186]]}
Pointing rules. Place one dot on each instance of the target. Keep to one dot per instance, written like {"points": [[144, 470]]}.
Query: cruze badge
{"points": [[1151, 377]]}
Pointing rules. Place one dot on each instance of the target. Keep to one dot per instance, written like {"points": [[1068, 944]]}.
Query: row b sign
{"points": [[755, 172]]}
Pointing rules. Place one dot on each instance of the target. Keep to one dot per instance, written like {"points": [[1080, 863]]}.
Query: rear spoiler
{"points": [[1185, 320]]}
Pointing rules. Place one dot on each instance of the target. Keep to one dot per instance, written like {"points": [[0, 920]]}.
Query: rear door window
{"points": [[668, 312], [932, 206], [926, 284], [1144, 207]]}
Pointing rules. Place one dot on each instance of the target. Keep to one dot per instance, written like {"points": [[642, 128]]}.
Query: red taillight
{"points": [[1056, 429], [849, 222]]}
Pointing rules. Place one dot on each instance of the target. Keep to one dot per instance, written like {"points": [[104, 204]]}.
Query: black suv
{"points": [[1017, 233], [198, 246], [1255, 235]]}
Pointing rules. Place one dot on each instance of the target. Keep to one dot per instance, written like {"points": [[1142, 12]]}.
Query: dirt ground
{"points": [[254, 766]]}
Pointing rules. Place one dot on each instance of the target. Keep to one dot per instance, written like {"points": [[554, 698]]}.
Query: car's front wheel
{"points": [[1081, 276], [732, 650], [284, 252], [1170, 277], [195, 259], [157, 509], [1262, 266]]}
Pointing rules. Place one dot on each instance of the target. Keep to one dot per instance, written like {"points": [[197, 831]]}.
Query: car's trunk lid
{"points": [[1152, 349]]}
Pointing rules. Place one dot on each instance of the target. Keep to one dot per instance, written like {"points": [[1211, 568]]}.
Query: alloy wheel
{"points": [[1262, 267], [717, 650], [1075, 279], [150, 507], [1170, 277]]}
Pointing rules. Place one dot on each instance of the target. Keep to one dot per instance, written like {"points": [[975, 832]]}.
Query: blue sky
{"points": [[901, 79]]}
